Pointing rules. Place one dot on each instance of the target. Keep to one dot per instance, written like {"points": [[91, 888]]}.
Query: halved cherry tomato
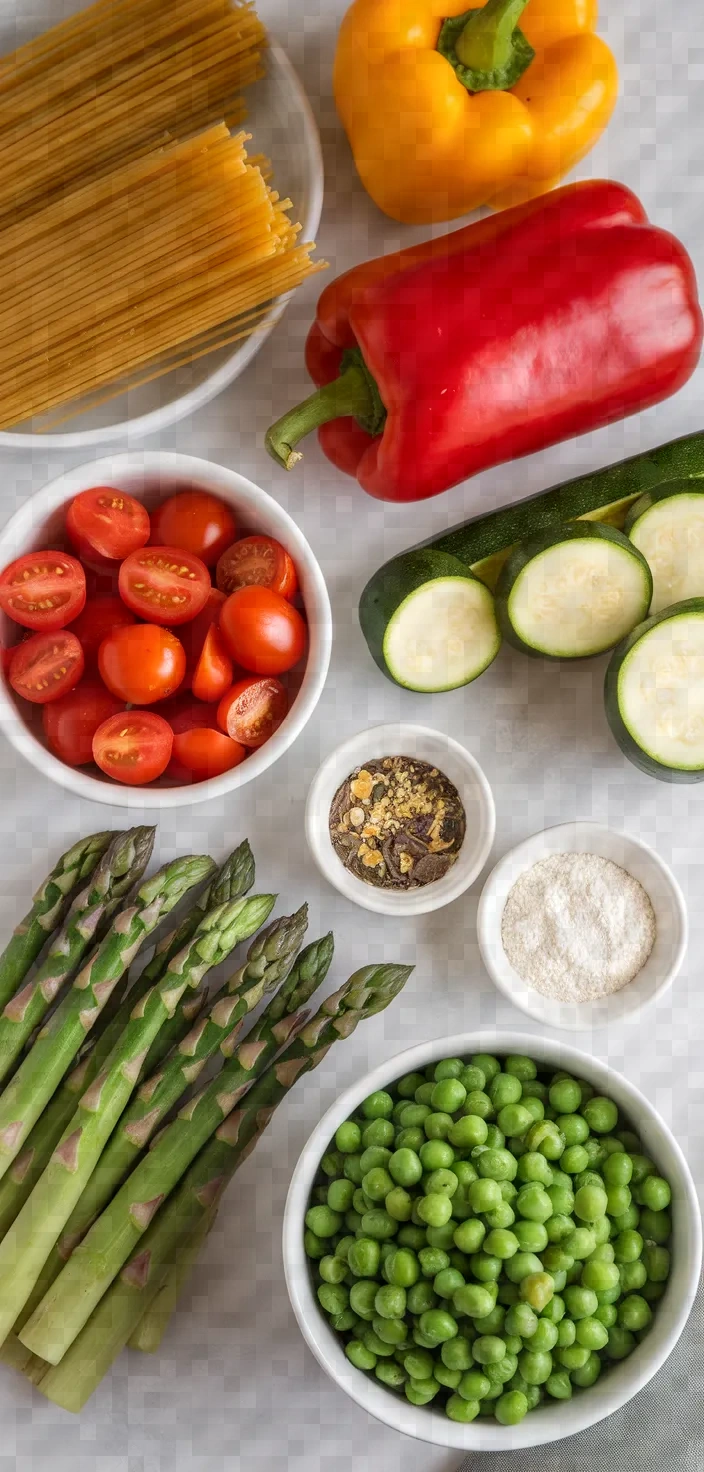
{"points": [[43, 590], [133, 747], [71, 722], [193, 635], [100, 617], [263, 632], [107, 522], [47, 666], [196, 522], [257, 561], [253, 710], [184, 714], [201, 753], [213, 672], [142, 664], [164, 584]]}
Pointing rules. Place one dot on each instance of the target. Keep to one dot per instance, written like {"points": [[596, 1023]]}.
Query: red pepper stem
{"points": [[486, 43], [349, 396]]}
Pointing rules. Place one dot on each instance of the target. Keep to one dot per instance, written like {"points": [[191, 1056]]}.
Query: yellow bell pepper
{"points": [[449, 107]]}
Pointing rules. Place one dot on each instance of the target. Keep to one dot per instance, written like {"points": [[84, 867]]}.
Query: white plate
{"points": [[280, 119], [638, 859]]}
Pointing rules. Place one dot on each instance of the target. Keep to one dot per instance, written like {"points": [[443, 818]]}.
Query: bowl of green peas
{"points": [[492, 1242]]}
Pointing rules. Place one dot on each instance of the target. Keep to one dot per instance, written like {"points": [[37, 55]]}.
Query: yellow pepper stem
{"points": [[486, 47]]}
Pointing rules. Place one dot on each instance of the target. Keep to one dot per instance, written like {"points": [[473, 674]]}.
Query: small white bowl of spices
{"points": [[582, 926], [400, 819]]}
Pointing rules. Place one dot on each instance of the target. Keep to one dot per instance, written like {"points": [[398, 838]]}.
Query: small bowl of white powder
{"points": [[581, 926]]}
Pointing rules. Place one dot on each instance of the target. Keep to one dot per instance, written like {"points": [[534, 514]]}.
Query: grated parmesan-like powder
{"points": [[577, 927]]}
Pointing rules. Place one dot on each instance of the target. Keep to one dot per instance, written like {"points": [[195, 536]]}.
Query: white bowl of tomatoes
{"points": [[165, 630]]}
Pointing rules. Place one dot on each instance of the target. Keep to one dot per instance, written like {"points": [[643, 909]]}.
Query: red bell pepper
{"points": [[497, 340]]}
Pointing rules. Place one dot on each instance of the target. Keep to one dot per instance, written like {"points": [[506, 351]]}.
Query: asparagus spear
{"points": [[87, 1275], [49, 1060], [26, 1246], [71, 1383], [270, 958], [49, 909], [152, 1326], [121, 867], [233, 881]]}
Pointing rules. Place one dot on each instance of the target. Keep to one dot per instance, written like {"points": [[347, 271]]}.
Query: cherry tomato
{"points": [[257, 561], [253, 710], [213, 672], [71, 722], [201, 753], [263, 632], [47, 666], [133, 747], [107, 522], [100, 617], [184, 714], [164, 584], [193, 635], [43, 590], [142, 664], [196, 522]]}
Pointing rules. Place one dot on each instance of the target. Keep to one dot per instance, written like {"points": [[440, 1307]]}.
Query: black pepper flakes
{"points": [[397, 823]]}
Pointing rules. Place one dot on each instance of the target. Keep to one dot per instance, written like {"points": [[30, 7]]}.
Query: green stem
{"points": [[152, 1326], [353, 395], [486, 42]]}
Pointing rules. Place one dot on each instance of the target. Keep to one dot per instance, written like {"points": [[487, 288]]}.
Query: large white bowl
{"points": [[151, 475], [553, 1421], [663, 963], [283, 128]]}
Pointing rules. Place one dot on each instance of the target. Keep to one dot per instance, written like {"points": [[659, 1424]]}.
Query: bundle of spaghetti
{"points": [[111, 81], [150, 265]]}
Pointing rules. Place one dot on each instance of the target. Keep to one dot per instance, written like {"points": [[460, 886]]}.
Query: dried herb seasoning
{"points": [[397, 823]]}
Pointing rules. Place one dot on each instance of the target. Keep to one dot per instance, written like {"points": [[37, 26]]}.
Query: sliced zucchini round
{"points": [[667, 526], [654, 694], [432, 625], [573, 592]]}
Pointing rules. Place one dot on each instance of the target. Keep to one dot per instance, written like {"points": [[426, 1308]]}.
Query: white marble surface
{"points": [[234, 1386]]}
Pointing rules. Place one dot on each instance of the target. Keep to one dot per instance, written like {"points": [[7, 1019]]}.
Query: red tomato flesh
{"points": [[201, 753], [257, 561], [164, 585], [213, 672], [193, 635], [43, 590], [71, 722], [263, 632], [133, 747], [46, 667], [107, 522], [100, 617], [253, 710], [142, 664], [196, 522]]}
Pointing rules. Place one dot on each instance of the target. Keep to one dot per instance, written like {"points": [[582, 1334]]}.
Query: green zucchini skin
{"points": [[681, 487], [619, 730], [402, 576], [574, 531]]}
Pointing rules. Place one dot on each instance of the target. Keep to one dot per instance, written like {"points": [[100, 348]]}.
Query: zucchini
{"points": [[654, 694], [482, 545], [435, 626], [667, 526], [573, 592]]}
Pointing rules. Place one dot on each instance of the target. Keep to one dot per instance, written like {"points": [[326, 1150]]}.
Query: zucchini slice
{"points": [[654, 694], [667, 526], [574, 592], [435, 624]]}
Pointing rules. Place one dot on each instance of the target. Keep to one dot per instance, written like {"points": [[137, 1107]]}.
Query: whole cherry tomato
{"points": [[133, 747], [43, 590], [107, 522], [46, 666], [100, 617], [253, 709], [142, 664], [196, 522], [185, 714], [263, 632], [213, 672], [71, 722], [164, 584], [199, 754], [259, 561]]}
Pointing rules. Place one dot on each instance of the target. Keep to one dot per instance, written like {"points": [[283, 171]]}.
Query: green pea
{"points": [[565, 1096], [468, 1131], [521, 1320], [554, 1310], [521, 1067], [361, 1202], [580, 1243], [535, 1089], [566, 1333], [657, 1263], [315, 1247], [587, 1374], [420, 1297], [618, 1169], [601, 1115], [438, 1125], [346, 1321], [448, 1096], [574, 1128], [332, 1269], [656, 1226], [390, 1302], [522, 1265], [545, 1337], [441, 1236], [334, 1298], [436, 1155], [536, 1368], [409, 1139], [372, 1341], [628, 1246], [642, 1166], [456, 1354], [377, 1184], [607, 1314], [559, 1385], [348, 1137], [557, 1260], [590, 1203], [535, 1107], [653, 1291], [479, 1103], [501, 1218], [501, 1243], [393, 1332], [378, 1132], [633, 1276], [375, 1157], [574, 1160], [435, 1209], [378, 1106], [332, 1163], [447, 1281], [473, 1299], [534, 1203], [484, 1195], [515, 1120], [352, 1169], [423, 1094], [495, 1138], [533, 1167], [421, 1392], [460, 1409], [323, 1221], [353, 1222], [364, 1257], [340, 1195], [531, 1236], [537, 1289], [359, 1356], [420, 1339], [413, 1116], [488, 1349], [504, 1088], [621, 1343], [592, 1334], [450, 1379], [573, 1357], [627, 1221], [390, 1374], [447, 1068], [545, 1138], [496, 1165], [582, 1303], [654, 1192], [418, 1363], [407, 1085], [399, 1204], [618, 1198], [634, 1313], [485, 1268], [438, 1325], [489, 1065], [472, 1077], [600, 1275], [492, 1323], [379, 1225]]}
